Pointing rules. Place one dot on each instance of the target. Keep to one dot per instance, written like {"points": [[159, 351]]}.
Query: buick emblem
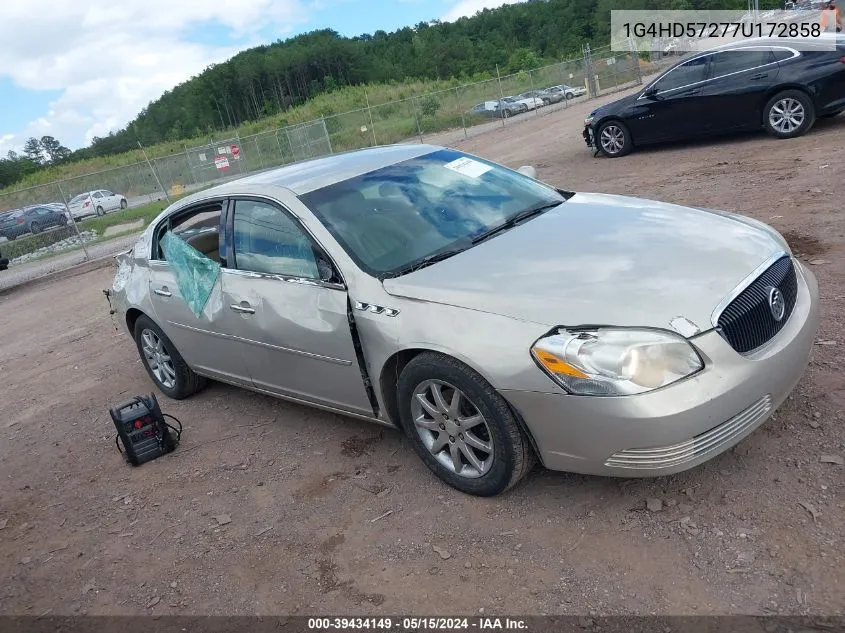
{"points": [[776, 303]]}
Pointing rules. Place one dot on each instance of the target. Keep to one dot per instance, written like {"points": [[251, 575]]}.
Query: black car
{"points": [[30, 220], [757, 84]]}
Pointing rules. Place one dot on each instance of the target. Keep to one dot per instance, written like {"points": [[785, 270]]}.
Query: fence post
{"points": [[635, 59], [190, 167], [258, 151], [416, 118], [242, 159], [461, 108], [155, 175], [533, 88], [326, 132], [290, 143], [501, 95], [370, 113], [279, 143], [73, 221]]}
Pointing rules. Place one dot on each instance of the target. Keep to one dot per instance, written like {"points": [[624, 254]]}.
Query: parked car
{"points": [[531, 103], [97, 202], [499, 109], [510, 106], [568, 92], [493, 318], [756, 84], [30, 220], [537, 94]]}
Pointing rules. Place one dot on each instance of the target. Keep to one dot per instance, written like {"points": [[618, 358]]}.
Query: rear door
{"points": [[735, 92], [110, 201], [295, 325], [676, 110], [205, 342]]}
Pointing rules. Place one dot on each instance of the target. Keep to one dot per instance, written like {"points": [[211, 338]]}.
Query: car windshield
{"points": [[397, 218]]}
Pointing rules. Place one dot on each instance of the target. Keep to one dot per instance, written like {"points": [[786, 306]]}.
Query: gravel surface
{"points": [[273, 508]]}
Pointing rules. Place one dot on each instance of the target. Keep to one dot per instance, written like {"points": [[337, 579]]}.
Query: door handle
{"points": [[242, 309], [163, 291], [759, 76]]}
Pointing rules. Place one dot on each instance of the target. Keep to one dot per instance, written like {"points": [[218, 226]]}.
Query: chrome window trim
{"points": [[747, 281], [795, 54], [304, 281]]}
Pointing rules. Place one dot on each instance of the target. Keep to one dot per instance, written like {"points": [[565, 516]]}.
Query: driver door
{"points": [[676, 110], [294, 326]]}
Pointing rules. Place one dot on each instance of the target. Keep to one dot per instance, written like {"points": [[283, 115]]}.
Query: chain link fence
{"points": [[129, 197]]}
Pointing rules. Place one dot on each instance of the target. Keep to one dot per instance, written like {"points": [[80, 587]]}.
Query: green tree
{"points": [[33, 151]]}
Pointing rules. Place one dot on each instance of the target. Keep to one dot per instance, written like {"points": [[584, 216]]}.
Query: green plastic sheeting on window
{"points": [[195, 273]]}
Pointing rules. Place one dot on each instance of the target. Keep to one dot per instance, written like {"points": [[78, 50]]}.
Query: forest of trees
{"points": [[266, 80]]}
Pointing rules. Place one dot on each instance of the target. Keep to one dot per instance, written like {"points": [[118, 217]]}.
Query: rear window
{"points": [[79, 198]]}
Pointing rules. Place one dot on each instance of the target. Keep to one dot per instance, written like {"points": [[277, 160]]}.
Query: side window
{"points": [[729, 62], [268, 240], [107, 193], [691, 72], [783, 54], [199, 227], [97, 194]]}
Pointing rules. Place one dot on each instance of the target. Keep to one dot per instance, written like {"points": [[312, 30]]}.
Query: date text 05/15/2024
{"points": [[417, 624]]}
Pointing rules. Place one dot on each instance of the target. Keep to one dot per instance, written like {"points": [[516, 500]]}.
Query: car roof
{"points": [[310, 175]]}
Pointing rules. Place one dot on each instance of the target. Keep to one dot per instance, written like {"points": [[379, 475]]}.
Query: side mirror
{"points": [[650, 92], [528, 170]]}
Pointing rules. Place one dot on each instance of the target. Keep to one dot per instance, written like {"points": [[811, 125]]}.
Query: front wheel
{"points": [[34, 228], [100, 211], [123, 204], [614, 139], [789, 114], [63, 220], [163, 362], [461, 427]]}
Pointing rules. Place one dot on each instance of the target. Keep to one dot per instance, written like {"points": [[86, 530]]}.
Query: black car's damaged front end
{"points": [[589, 133]]}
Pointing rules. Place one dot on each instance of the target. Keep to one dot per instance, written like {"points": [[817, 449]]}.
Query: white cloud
{"points": [[467, 8], [110, 59]]}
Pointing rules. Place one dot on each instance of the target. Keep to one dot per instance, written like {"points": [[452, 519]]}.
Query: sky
{"points": [[76, 69]]}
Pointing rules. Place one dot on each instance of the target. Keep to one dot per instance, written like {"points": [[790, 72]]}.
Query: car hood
{"points": [[614, 107], [601, 260]]}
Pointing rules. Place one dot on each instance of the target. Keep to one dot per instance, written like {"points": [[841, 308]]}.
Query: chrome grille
{"points": [[708, 442], [747, 322]]}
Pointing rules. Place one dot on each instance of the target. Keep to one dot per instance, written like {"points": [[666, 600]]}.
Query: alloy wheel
{"points": [[612, 139], [787, 115], [158, 359], [452, 428]]}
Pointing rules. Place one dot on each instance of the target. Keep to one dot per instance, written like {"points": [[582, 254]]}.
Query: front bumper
{"points": [[680, 426], [588, 135]]}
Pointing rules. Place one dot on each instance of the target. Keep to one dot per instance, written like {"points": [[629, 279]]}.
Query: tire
{"points": [[507, 114], [63, 220], [100, 211], [610, 135], [789, 101], [35, 228], [510, 456], [11, 238], [184, 381], [569, 96], [123, 204]]}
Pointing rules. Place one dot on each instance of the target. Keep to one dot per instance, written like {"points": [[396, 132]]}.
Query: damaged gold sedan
{"points": [[495, 319]]}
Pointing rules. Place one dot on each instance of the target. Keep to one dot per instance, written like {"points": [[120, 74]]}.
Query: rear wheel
{"points": [[35, 228], [614, 139], [163, 363], [461, 427], [789, 114]]}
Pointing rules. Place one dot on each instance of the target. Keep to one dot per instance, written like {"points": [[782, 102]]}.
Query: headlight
{"points": [[615, 361], [589, 120]]}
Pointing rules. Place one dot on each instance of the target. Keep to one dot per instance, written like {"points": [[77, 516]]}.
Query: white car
{"points": [[98, 202], [570, 92], [532, 103]]}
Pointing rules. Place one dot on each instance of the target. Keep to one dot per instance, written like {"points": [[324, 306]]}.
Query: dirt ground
{"points": [[273, 508]]}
